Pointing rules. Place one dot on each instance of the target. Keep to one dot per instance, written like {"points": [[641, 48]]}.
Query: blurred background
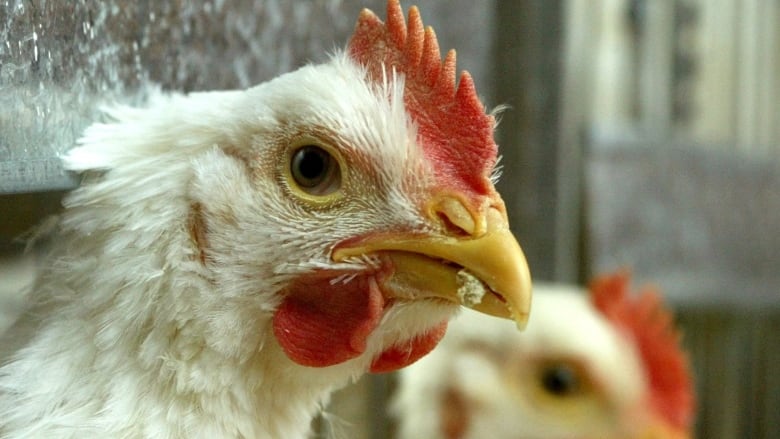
{"points": [[641, 134]]}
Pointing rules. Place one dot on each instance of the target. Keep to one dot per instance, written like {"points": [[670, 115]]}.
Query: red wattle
{"points": [[402, 355], [320, 324]]}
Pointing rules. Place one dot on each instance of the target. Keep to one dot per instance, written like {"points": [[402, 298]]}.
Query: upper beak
{"points": [[481, 266]]}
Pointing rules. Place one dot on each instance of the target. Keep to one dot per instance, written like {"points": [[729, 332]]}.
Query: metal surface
{"points": [[60, 61]]}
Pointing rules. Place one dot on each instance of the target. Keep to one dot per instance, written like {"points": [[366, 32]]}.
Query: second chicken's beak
{"points": [[662, 431], [484, 269]]}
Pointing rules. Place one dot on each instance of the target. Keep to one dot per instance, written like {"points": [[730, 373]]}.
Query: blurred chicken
{"points": [[603, 366], [232, 257]]}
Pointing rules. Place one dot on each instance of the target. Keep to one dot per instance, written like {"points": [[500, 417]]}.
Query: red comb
{"points": [[651, 326], [455, 132]]}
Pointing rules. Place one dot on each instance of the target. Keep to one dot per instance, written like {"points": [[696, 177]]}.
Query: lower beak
{"points": [[488, 273]]}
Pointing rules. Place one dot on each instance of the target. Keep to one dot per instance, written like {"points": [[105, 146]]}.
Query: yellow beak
{"points": [[663, 431], [483, 267]]}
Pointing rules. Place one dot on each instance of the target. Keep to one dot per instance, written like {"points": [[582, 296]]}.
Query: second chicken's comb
{"points": [[645, 319], [455, 132]]}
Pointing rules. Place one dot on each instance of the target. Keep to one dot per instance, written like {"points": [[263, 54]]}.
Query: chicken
{"points": [[232, 257], [606, 366]]}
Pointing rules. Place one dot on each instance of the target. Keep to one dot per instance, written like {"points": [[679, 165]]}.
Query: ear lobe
{"points": [[196, 225]]}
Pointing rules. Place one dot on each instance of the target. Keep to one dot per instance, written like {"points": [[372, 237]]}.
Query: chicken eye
{"points": [[315, 170], [560, 380]]}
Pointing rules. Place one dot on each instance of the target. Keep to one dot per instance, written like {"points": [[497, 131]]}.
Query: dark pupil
{"points": [[310, 164], [560, 380]]}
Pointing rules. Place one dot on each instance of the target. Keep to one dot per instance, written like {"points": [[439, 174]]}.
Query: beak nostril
{"points": [[455, 217], [451, 227]]}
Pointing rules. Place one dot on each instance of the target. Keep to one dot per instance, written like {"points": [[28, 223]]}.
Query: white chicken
{"points": [[232, 257], [608, 366]]}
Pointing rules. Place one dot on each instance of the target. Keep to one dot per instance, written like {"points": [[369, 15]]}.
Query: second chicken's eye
{"points": [[315, 170], [560, 380]]}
